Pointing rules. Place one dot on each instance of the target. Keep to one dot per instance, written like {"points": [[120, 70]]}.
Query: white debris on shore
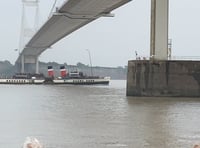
{"points": [[32, 143]]}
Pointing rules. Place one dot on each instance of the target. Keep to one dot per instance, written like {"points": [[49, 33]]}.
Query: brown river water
{"points": [[67, 116]]}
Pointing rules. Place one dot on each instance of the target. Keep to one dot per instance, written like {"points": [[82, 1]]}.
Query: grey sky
{"points": [[111, 41]]}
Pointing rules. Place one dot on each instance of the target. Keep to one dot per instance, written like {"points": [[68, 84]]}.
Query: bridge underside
{"points": [[71, 16]]}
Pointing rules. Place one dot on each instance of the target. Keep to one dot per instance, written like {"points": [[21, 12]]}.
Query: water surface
{"points": [[64, 116]]}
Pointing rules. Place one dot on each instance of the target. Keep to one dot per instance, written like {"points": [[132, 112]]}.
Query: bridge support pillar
{"points": [[158, 77], [163, 78], [29, 64], [159, 29], [37, 66], [22, 63]]}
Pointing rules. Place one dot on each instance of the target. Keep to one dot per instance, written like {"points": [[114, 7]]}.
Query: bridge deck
{"points": [[71, 16]]}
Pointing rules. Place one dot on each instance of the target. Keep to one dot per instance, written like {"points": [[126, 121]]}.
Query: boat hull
{"points": [[21, 81], [81, 81], [104, 81]]}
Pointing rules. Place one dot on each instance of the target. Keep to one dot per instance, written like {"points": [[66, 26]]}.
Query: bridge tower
{"points": [[159, 29], [29, 25]]}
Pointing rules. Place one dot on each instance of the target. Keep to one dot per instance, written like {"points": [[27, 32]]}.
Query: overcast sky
{"points": [[111, 41]]}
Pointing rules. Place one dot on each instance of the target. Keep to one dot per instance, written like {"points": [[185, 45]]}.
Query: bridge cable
{"points": [[54, 4]]}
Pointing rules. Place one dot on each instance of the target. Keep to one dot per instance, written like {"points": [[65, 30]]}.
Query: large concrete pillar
{"points": [[163, 78], [29, 64], [159, 29]]}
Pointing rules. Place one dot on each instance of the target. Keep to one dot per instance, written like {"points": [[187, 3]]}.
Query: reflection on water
{"points": [[95, 117]]}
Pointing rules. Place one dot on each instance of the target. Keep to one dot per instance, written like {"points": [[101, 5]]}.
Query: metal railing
{"points": [[172, 58], [187, 58]]}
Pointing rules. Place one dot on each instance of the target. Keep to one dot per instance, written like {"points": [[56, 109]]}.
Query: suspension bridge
{"points": [[154, 77], [69, 17]]}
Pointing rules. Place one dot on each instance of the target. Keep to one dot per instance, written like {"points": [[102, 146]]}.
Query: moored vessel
{"points": [[73, 77], [76, 78], [23, 78]]}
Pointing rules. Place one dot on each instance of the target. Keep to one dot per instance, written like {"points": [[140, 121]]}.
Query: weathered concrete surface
{"points": [[163, 78]]}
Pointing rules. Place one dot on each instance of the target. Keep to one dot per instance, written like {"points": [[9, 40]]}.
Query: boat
{"points": [[23, 78], [73, 77], [78, 78]]}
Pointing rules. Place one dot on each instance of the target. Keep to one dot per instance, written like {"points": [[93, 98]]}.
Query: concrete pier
{"points": [[163, 78]]}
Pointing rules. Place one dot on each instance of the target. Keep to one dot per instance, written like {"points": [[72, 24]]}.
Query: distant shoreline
{"points": [[117, 73]]}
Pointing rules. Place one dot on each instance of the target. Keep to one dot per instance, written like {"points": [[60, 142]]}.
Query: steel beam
{"points": [[159, 29]]}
